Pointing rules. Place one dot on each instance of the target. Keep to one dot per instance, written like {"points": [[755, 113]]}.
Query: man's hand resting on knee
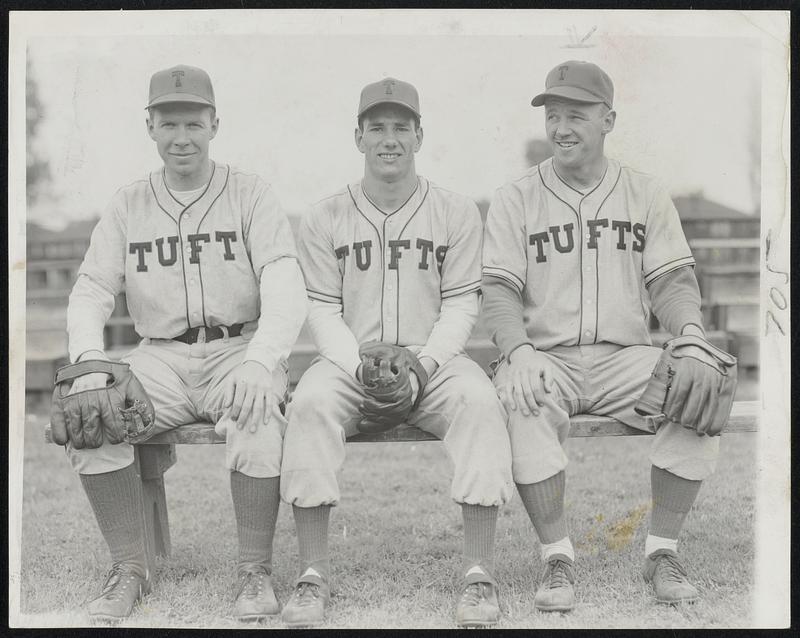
{"points": [[529, 380], [248, 396]]}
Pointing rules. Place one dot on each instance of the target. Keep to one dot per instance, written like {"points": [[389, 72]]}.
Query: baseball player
{"points": [[207, 260], [393, 259], [577, 253]]}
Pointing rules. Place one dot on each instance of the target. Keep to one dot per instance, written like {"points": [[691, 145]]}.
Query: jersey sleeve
{"points": [[452, 329], [675, 299], [665, 246], [104, 262], [90, 305], [504, 252], [318, 257], [268, 235], [283, 311], [503, 315], [461, 268]]}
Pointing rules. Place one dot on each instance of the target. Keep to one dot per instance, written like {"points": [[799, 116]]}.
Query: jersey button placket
{"points": [[589, 310], [389, 305], [191, 281]]}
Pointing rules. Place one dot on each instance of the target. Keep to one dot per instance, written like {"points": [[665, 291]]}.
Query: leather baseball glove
{"points": [[386, 372], [121, 411], [693, 384]]}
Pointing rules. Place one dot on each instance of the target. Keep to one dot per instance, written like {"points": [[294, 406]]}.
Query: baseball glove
{"points": [[120, 411], [693, 384], [386, 372]]}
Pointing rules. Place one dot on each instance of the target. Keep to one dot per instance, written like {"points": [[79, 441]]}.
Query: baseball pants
{"points": [[186, 384], [459, 406], [606, 380]]}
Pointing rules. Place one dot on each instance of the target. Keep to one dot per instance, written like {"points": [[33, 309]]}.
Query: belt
{"points": [[212, 333]]}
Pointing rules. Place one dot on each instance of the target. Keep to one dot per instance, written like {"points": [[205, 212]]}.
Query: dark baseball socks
{"points": [[312, 539], [544, 502], [116, 498], [480, 523], [673, 497], [255, 505]]}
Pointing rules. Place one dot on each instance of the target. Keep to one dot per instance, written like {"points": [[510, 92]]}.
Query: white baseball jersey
{"points": [[189, 265], [582, 261], [391, 271]]}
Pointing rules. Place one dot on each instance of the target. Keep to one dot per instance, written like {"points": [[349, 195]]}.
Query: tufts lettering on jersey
{"points": [[167, 255], [623, 233], [422, 251]]}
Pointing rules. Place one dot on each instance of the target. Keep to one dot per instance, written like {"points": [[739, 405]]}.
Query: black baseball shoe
{"points": [[668, 575], [556, 591], [123, 588], [255, 598]]}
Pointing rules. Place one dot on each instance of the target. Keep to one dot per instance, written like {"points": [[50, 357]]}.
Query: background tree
{"points": [[536, 150], [37, 174]]}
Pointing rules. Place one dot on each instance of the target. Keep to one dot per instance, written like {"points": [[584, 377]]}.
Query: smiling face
{"points": [[182, 133], [577, 131], [389, 136]]}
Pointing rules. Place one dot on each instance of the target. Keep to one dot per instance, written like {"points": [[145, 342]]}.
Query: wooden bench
{"points": [[154, 456]]}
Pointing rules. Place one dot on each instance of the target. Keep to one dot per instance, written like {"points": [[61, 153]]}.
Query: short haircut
{"points": [[412, 116]]}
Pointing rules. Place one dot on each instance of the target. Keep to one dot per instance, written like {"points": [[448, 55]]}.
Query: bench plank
{"points": [[744, 418]]}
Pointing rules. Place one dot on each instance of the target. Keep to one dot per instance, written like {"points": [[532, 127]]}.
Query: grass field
{"points": [[396, 542]]}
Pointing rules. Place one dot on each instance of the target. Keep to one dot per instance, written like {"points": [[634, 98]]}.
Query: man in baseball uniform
{"points": [[206, 258], [577, 253], [393, 258]]}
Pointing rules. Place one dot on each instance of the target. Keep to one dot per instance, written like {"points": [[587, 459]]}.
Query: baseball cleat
{"points": [[123, 588], [255, 598], [306, 607], [478, 606], [556, 591], [668, 575]]}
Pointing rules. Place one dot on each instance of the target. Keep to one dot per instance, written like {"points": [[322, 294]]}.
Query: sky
{"points": [[287, 92]]}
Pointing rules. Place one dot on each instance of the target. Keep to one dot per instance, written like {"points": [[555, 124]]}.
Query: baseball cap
{"points": [[391, 91], [181, 84], [578, 81]]}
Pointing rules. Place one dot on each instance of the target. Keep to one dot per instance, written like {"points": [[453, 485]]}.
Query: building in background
{"points": [[725, 243], [53, 259]]}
